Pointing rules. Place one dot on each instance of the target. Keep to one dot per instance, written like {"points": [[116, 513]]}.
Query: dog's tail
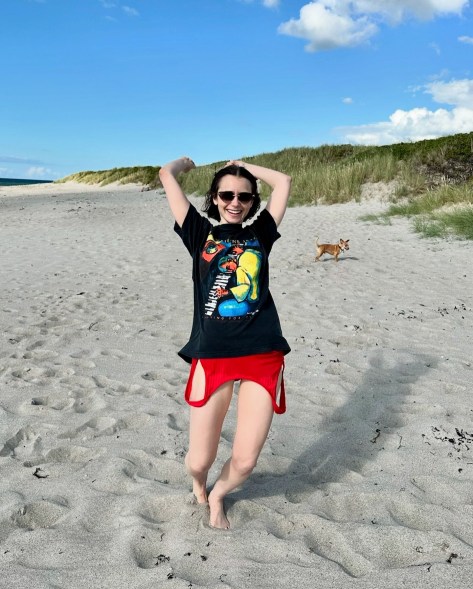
{"points": [[317, 241]]}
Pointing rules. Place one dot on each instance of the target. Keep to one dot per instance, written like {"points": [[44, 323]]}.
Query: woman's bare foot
{"points": [[218, 518]]}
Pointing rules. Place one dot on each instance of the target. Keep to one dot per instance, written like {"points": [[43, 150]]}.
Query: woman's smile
{"points": [[234, 211]]}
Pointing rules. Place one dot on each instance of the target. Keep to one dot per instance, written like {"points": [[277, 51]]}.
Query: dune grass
{"points": [[445, 210], [434, 199], [429, 175], [381, 219], [458, 223], [328, 174], [147, 175]]}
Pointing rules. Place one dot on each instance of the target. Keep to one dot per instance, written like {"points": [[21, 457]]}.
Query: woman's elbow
{"points": [[287, 181]]}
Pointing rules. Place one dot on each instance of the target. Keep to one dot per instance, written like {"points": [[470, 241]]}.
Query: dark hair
{"points": [[211, 208]]}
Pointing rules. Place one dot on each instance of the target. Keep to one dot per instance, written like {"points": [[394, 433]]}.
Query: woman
{"points": [[236, 334]]}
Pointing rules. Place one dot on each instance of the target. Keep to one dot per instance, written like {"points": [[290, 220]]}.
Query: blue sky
{"points": [[97, 84]]}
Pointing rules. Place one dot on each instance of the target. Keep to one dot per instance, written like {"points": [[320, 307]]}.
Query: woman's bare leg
{"points": [[255, 413], [205, 427]]}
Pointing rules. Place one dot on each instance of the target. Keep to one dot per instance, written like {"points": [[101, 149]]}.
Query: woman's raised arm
{"points": [[178, 201], [278, 181]]}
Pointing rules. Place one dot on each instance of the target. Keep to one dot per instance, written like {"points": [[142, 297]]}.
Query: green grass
{"points": [[136, 175], [429, 175], [331, 173], [458, 223], [434, 199], [378, 219], [429, 218], [328, 174]]}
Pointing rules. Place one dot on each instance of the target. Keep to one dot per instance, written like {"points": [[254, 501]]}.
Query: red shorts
{"points": [[263, 369]]}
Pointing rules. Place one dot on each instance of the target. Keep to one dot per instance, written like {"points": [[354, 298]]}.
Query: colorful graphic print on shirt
{"points": [[230, 272]]}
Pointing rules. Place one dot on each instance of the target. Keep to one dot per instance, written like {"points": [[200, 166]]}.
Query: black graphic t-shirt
{"points": [[234, 312]]}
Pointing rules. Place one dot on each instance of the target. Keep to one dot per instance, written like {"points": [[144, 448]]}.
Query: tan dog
{"points": [[334, 249]]}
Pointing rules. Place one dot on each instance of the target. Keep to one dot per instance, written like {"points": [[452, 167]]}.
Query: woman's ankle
{"points": [[200, 491]]}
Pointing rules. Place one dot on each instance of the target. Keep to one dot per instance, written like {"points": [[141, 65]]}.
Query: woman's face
{"points": [[234, 211]]}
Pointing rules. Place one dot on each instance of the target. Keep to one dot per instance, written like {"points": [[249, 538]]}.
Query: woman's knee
{"points": [[198, 465], [244, 464]]}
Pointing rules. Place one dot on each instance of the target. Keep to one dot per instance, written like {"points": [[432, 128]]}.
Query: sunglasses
{"points": [[228, 196]]}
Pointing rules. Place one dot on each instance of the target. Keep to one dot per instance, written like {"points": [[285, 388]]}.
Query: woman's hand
{"points": [[187, 164], [279, 183], [182, 164], [235, 163]]}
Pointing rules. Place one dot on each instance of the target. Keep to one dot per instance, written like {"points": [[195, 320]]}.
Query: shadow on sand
{"points": [[345, 446]]}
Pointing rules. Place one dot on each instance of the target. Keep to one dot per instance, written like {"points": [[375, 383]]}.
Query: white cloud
{"points": [[130, 11], [401, 9], [328, 24], [327, 27], [456, 92], [421, 123], [347, 100], [465, 39]]}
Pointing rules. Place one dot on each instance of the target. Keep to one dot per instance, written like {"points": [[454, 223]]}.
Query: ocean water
{"points": [[19, 181]]}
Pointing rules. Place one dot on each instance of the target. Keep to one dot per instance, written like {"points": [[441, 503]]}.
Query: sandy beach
{"points": [[366, 481]]}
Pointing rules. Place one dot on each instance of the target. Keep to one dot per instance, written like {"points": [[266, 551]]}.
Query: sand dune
{"points": [[366, 481]]}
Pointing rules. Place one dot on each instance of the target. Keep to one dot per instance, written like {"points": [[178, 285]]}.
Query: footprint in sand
{"points": [[20, 333], [114, 385], [99, 426], [59, 402], [40, 355], [145, 548], [323, 538], [161, 509], [176, 424], [150, 375], [67, 454], [83, 363], [141, 465], [25, 443], [40, 514], [9, 503], [82, 382], [170, 377], [85, 401], [107, 426], [32, 373], [34, 345], [118, 354]]}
